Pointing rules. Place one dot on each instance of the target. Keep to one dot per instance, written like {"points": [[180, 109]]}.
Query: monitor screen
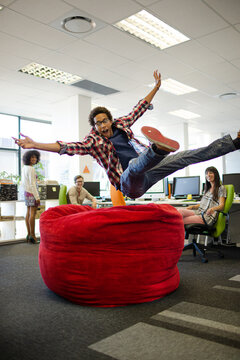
{"points": [[93, 187], [233, 179], [182, 186], [166, 186], [156, 188]]}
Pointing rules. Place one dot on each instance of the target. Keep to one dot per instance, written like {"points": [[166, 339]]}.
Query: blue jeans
{"points": [[150, 167]]}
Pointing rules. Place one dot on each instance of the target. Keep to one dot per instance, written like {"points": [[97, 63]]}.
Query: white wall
{"points": [[70, 124]]}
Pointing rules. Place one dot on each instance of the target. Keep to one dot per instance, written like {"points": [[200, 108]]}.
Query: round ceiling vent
{"points": [[228, 96], [78, 24]]}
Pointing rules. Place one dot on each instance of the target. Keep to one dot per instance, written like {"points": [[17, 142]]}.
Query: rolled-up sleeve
{"points": [[73, 148]]}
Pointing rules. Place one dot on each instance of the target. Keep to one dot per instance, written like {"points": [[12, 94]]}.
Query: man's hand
{"points": [[26, 143], [157, 77]]}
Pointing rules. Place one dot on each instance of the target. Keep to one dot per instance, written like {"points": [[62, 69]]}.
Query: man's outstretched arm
{"points": [[157, 77], [28, 143]]}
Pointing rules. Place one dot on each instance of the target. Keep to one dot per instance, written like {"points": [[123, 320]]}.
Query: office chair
{"points": [[213, 231], [116, 196], [62, 195]]}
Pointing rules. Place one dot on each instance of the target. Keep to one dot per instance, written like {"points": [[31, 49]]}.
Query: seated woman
{"points": [[77, 193], [212, 202]]}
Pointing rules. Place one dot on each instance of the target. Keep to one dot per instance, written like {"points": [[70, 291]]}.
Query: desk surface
{"points": [[164, 201], [145, 202]]}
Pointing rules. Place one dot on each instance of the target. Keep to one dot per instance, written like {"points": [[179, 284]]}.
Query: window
{"points": [[9, 128], [10, 153], [38, 130]]}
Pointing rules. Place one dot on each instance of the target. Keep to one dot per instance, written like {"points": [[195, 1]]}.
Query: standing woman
{"points": [[212, 202], [31, 196]]}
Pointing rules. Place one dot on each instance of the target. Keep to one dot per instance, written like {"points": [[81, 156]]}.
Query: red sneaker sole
{"points": [[154, 136]]}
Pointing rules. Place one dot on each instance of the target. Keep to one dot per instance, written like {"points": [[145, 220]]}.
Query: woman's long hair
{"points": [[217, 182]]}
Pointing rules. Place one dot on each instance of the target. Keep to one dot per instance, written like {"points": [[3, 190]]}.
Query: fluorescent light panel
{"points": [[176, 87], [152, 30], [184, 114], [46, 72]]}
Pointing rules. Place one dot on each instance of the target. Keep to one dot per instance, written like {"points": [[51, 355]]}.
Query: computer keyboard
{"points": [[188, 200]]}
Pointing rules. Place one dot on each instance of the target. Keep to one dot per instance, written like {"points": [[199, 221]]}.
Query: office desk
{"points": [[234, 220], [175, 203], [234, 214]]}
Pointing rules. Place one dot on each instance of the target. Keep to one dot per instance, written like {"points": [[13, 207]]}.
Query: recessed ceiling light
{"points": [[1, 7], [152, 30], [228, 96], [46, 72], [184, 114], [176, 87], [78, 24]]}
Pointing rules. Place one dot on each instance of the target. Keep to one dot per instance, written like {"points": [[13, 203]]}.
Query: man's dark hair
{"points": [[78, 177], [28, 154], [96, 111]]}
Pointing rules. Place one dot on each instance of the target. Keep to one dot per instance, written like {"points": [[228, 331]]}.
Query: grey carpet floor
{"points": [[200, 320]]}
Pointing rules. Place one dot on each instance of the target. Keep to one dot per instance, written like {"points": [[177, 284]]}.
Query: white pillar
{"points": [[186, 143], [84, 162], [70, 124]]}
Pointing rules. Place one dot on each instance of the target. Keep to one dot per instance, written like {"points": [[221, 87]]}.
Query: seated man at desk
{"points": [[77, 193]]}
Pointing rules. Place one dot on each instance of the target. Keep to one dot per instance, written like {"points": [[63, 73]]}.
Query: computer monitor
{"points": [[93, 187], [156, 188], [182, 186], [166, 186], [233, 179]]}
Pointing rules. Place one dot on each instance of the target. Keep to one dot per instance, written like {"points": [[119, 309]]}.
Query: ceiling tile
{"points": [[6, 2], [17, 47], [19, 25], [85, 51], [192, 18], [237, 27], [235, 86], [146, 2], [43, 11], [193, 54], [166, 64], [224, 72], [236, 62], [107, 10], [225, 43], [121, 43], [204, 83], [229, 10], [135, 71], [12, 62], [66, 63]]}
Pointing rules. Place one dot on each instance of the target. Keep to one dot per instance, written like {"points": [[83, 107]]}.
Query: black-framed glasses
{"points": [[99, 123]]}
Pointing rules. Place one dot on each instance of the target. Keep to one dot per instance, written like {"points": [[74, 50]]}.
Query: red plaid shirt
{"points": [[102, 149]]}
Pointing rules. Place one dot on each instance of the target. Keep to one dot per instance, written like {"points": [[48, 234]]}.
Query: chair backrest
{"points": [[116, 196], [62, 195], [221, 221]]}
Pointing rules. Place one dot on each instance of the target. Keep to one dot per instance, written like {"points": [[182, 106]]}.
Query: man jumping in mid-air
{"points": [[131, 166]]}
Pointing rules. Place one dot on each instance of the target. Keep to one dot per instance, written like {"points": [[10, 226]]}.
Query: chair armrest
{"points": [[210, 227]]}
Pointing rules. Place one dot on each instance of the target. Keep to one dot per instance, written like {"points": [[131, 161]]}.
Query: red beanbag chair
{"points": [[111, 256]]}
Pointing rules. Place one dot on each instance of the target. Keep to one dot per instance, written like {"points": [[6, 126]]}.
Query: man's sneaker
{"points": [[163, 143]]}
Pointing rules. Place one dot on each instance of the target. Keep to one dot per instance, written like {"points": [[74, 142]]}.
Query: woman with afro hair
{"points": [[31, 196]]}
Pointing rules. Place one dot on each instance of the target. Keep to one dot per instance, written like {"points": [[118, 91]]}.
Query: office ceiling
{"points": [[30, 31]]}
